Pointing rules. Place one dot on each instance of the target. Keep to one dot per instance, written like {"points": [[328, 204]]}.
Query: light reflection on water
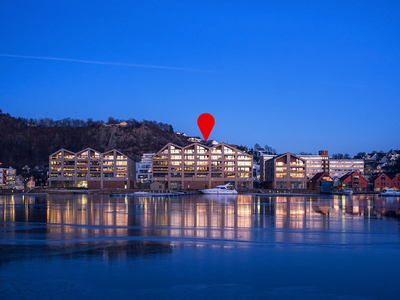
{"points": [[315, 220], [199, 247]]}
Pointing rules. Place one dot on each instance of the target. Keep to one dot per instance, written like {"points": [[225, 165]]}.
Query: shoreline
{"points": [[252, 192]]}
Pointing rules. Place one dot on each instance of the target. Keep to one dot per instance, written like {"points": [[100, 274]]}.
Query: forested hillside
{"points": [[30, 142]]}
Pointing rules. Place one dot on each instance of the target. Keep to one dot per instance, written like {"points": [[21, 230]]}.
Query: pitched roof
{"points": [[344, 177], [318, 176]]}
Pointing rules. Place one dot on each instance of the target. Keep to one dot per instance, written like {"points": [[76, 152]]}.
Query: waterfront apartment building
{"points": [[91, 169], [197, 167], [144, 168], [7, 178], [286, 171]]}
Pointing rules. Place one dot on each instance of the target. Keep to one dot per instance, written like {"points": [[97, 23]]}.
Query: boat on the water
{"points": [[347, 191], [389, 192], [141, 193], [220, 189]]}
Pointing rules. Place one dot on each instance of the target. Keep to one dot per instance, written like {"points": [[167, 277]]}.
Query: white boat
{"points": [[347, 191], [389, 192], [220, 189], [141, 193]]}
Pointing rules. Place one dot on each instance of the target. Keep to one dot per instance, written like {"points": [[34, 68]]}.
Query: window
{"points": [[229, 175], [201, 149], [155, 169], [297, 175], [243, 175], [202, 169], [228, 150], [203, 157], [217, 150], [216, 169]]}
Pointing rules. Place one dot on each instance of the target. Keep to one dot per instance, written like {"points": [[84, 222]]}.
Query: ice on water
{"points": [[202, 246]]}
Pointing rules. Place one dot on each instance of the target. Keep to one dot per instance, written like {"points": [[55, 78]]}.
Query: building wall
{"points": [[144, 168], [91, 169], [286, 171], [7, 178], [396, 182], [263, 159], [383, 181], [355, 181], [197, 166], [340, 167]]}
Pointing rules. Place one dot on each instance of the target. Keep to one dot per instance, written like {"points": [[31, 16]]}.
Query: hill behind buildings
{"points": [[30, 142]]}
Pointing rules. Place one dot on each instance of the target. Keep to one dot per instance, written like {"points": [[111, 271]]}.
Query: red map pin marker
{"points": [[206, 123]]}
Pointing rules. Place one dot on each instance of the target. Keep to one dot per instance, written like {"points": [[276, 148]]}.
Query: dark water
{"points": [[199, 247]]}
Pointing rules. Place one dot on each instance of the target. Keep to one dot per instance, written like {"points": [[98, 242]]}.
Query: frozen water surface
{"points": [[199, 247]]}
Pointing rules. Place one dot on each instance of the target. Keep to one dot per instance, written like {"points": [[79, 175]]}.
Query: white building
{"points": [[339, 167], [316, 163], [7, 178], [144, 168]]}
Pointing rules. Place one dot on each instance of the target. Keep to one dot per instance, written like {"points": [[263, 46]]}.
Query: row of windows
{"points": [[202, 163], [204, 175], [92, 169], [68, 174], [201, 157], [205, 169], [292, 175], [85, 157]]}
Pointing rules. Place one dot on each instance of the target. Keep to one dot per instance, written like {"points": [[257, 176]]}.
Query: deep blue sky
{"points": [[296, 75]]}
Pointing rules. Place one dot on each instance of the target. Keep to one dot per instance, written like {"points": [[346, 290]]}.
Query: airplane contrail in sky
{"points": [[101, 62]]}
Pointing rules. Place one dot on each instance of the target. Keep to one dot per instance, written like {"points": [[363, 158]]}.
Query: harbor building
{"points": [[144, 168], [197, 166], [286, 171], [91, 169], [355, 181]]}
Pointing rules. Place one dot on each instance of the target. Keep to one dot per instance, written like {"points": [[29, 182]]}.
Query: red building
{"points": [[396, 182], [355, 181], [381, 182]]}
